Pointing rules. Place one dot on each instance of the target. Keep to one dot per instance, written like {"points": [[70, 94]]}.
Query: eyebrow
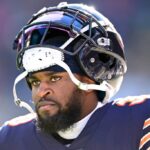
{"points": [[32, 76]]}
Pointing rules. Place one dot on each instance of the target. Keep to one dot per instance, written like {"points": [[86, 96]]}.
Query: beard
{"points": [[64, 118]]}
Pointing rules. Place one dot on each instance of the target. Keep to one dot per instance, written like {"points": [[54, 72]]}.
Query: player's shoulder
{"points": [[16, 128], [20, 120], [132, 100]]}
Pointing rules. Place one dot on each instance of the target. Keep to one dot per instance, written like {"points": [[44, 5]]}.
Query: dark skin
{"points": [[51, 92]]}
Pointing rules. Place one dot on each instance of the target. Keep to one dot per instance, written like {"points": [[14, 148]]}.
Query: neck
{"points": [[77, 127]]}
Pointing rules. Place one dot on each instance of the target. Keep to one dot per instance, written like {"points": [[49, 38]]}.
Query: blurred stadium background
{"points": [[131, 18]]}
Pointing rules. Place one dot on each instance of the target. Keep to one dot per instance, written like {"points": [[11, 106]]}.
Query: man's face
{"points": [[58, 102]]}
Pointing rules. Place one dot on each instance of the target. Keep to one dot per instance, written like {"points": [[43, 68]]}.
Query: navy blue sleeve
{"points": [[14, 134], [140, 106]]}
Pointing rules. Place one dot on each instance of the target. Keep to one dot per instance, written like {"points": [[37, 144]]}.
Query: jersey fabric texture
{"points": [[119, 125]]}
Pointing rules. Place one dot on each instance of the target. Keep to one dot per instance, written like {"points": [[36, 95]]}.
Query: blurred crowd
{"points": [[131, 18]]}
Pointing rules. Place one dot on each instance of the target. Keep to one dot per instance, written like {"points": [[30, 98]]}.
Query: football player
{"points": [[73, 60]]}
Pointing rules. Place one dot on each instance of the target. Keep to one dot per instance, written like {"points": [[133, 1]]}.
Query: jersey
{"points": [[123, 124]]}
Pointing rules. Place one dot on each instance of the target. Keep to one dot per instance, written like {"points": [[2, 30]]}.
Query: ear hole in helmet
{"points": [[97, 65], [103, 57]]}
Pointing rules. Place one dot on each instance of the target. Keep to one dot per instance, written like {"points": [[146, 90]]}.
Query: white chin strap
{"points": [[18, 101], [34, 59]]}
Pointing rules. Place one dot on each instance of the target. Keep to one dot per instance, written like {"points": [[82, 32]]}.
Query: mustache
{"points": [[46, 101]]}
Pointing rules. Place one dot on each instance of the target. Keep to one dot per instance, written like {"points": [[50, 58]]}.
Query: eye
{"points": [[34, 83], [55, 78]]}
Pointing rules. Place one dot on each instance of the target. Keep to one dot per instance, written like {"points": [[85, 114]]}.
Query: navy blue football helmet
{"points": [[74, 30]]}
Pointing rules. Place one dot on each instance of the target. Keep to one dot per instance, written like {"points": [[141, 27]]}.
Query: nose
{"points": [[44, 89]]}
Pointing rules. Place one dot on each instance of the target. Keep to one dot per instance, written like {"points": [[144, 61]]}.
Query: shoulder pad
{"points": [[21, 119], [131, 100]]}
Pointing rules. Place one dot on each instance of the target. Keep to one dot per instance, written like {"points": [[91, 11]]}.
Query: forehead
{"points": [[45, 74]]}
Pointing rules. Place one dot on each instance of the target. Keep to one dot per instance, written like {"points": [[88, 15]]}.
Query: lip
{"points": [[46, 103]]}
